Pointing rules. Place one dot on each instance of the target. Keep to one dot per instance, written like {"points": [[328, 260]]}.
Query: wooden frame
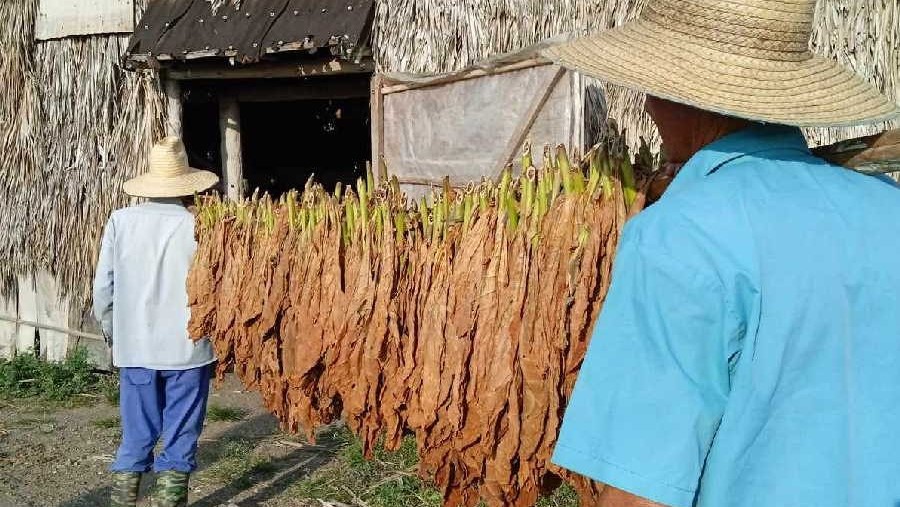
{"points": [[325, 67], [383, 85], [354, 86], [528, 120], [377, 122], [464, 76], [230, 98]]}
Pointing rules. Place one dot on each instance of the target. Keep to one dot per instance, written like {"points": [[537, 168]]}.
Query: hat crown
{"points": [[775, 30], [168, 158]]}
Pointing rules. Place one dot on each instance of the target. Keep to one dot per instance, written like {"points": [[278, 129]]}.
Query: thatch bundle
{"points": [[434, 36], [73, 126], [864, 35], [19, 146], [99, 123], [463, 319]]}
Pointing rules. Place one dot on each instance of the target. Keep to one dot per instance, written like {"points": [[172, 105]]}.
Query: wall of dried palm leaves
{"points": [[73, 126], [438, 36]]}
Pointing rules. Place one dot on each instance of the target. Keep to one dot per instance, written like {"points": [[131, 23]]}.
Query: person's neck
{"points": [[167, 200], [713, 130], [685, 130]]}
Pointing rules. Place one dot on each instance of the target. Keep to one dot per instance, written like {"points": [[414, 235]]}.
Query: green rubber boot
{"points": [[171, 489], [125, 489]]}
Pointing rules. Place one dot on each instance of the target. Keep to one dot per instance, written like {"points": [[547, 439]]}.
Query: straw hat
{"points": [[170, 175], [744, 58]]}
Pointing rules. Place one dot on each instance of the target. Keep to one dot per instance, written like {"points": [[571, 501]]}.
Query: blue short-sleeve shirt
{"points": [[748, 352]]}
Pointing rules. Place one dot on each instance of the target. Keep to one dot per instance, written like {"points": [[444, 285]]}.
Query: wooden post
{"points": [[376, 106], [230, 128], [173, 107], [520, 134], [577, 103]]}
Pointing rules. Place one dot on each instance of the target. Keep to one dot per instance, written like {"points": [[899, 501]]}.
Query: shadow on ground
{"points": [[265, 485]]}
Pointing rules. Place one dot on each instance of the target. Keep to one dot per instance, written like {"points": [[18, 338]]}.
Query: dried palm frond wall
{"points": [[437, 36], [863, 35], [19, 143], [73, 126]]}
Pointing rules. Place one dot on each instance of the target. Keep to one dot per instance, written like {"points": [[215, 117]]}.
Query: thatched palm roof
{"points": [[437, 36]]}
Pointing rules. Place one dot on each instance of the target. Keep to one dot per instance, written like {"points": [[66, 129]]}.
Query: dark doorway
{"points": [[284, 143], [290, 129], [200, 125]]}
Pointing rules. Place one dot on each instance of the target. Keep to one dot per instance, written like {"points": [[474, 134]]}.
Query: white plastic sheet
{"points": [[469, 129]]}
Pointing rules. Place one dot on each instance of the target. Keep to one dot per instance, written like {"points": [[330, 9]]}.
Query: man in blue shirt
{"points": [[748, 351]]}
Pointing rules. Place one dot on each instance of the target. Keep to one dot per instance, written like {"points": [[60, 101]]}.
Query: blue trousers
{"points": [[167, 404]]}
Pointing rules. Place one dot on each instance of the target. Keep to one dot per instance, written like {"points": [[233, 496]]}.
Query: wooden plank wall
{"points": [[62, 18], [38, 316], [8, 330]]}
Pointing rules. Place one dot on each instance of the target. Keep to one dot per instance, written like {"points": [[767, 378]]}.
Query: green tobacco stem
{"points": [[628, 184]]}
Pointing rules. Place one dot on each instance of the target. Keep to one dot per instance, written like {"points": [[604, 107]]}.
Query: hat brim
{"points": [[812, 92], [189, 183]]}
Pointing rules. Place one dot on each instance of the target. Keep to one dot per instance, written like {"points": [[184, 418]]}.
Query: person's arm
{"points": [[884, 178], [103, 282], [655, 380]]}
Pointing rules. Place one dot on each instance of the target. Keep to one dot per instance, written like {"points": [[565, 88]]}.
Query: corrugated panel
{"points": [[184, 29], [63, 18], [322, 23], [237, 31], [160, 17]]}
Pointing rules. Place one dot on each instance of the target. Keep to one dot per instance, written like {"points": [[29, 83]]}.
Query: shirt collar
{"points": [[164, 202], [749, 141]]}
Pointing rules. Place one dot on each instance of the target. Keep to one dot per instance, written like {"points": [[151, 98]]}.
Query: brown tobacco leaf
{"points": [[470, 339]]}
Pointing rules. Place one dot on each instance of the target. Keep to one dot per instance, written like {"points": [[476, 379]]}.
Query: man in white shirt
{"points": [[140, 299]]}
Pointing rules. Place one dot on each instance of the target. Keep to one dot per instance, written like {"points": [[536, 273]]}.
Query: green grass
{"points": [[388, 480], [219, 413], [238, 465], [108, 387], [27, 376], [564, 496], [33, 422]]}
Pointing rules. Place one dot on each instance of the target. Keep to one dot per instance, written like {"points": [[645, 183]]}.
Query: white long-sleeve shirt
{"points": [[140, 289]]}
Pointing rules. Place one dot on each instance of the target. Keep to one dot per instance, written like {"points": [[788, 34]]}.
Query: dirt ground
{"points": [[51, 456]]}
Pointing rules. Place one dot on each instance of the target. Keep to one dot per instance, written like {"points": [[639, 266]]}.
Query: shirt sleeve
{"points": [[653, 386], [103, 281], [884, 178]]}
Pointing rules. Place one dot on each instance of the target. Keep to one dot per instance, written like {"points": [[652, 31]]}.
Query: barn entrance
{"points": [[290, 129], [286, 143]]}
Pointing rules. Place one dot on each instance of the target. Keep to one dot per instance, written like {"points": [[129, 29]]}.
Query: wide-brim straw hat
{"points": [[169, 174], [743, 58]]}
